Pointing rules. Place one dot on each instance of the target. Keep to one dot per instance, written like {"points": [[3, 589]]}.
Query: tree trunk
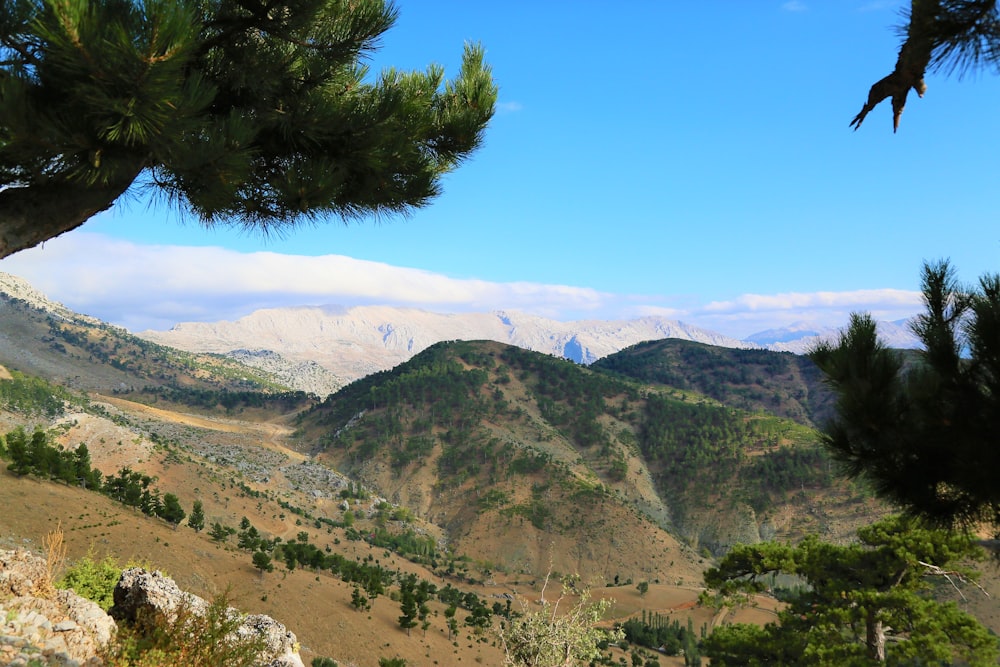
{"points": [[876, 637], [32, 215]]}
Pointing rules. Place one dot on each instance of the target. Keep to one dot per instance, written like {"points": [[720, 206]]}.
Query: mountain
{"points": [[788, 334], [43, 337], [355, 342], [477, 465], [802, 337], [483, 438], [780, 383]]}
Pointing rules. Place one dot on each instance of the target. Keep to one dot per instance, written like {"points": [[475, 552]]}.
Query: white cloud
{"points": [[750, 313], [156, 286], [794, 6], [878, 298], [509, 107]]}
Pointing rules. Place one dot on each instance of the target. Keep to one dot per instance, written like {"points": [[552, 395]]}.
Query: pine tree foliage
{"points": [[944, 35], [863, 604], [197, 518], [258, 114], [924, 433]]}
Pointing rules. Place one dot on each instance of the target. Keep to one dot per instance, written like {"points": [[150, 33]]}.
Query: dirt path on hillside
{"points": [[271, 435]]}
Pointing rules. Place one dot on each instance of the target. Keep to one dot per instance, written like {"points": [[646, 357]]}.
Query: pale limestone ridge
{"points": [[355, 342], [19, 288], [307, 376], [141, 592]]}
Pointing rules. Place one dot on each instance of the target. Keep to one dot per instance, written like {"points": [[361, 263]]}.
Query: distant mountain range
{"points": [[800, 337], [326, 347], [355, 342]]}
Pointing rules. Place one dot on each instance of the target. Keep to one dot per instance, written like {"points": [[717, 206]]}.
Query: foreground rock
{"points": [[42, 626], [140, 592]]}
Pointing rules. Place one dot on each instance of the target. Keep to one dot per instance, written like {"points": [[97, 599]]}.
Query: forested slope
{"points": [[779, 383], [546, 448]]}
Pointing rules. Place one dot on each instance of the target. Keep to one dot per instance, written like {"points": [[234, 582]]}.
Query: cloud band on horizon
{"points": [[156, 286]]}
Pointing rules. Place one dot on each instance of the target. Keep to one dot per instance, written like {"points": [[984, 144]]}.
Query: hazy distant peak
{"points": [[802, 337]]}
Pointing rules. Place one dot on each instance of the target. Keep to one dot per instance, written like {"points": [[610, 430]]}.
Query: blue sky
{"points": [[690, 159]]}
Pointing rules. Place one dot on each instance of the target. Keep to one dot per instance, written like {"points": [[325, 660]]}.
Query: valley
{"points": [[474, 465]]}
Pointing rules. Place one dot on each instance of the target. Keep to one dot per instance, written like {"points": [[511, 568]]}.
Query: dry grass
{"points": [[55, 558]]}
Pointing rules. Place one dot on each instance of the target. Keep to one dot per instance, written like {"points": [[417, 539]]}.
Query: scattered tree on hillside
{"points": [[172, 512], [864, 603], [407, 603], [359, 601], [17, 450], [262, 562], [220, 533], [197, 518], [925, 432], [450, 619], [253, 114], [949, 35]]}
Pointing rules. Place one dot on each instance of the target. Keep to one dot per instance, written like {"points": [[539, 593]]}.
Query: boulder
{"points": [[43, 626], [140, 592]]}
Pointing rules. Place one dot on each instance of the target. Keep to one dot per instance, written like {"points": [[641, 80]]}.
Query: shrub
{"points": [[188, 639], [94, 580]]}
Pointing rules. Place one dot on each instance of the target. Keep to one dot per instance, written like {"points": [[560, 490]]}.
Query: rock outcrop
{"points": [[60, 628], [140, 592], [43, 626]]}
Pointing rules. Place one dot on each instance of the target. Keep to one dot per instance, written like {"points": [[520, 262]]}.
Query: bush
{"points": [[93, 580], [189, 639]]}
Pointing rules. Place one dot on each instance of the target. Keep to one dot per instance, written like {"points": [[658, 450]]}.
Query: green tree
{"points": [[86, 476], [359, 601], [258, 114], [407, 603], [643, 588], [865, 603], [220, 533], [922, 429], [172, 512], [197, 518], [262, 562], [944, 35], [17, 449], [452, 622], [249, 538]]}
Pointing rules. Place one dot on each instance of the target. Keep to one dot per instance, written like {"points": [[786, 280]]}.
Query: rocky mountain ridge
{"points": [[319, 349], [358, 341]]}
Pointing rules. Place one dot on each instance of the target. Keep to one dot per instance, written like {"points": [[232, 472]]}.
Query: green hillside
{"points": [[524, 432], [779, 383], [82, 354]]}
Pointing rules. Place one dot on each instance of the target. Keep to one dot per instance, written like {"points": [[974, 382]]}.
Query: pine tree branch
{"points": [[31, 215], [936, 571], [911, 64]]}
